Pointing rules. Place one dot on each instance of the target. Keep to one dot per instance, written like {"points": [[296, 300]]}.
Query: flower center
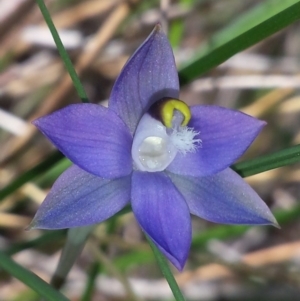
{"points": [[161, 134], [154, 153], [152, 148]]}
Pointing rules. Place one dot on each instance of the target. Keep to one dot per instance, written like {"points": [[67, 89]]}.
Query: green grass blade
{"points": [[49, 176], [30, 279], [281, 158], [165, 269], [176, 29], [45, 239], [62, 51], [265, 20], [30, 174]]}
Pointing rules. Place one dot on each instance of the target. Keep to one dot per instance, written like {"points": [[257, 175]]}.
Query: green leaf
{"points": [[264, 20], [281, 158], [45, 239], [165, 269], [30, 279], [176, 29], [136, 257], [30, 174], [53, 172], [62, 51]]}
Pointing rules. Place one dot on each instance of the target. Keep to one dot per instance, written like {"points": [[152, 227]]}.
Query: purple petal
{"points": [[163, 214], [78, 199], [225, 134], [149, 75], [224, 198], [92, 137]]}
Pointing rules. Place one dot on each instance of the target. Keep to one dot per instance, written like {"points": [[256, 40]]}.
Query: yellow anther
{"points": [[167, 112]]}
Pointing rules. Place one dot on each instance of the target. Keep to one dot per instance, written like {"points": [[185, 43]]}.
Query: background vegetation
{"points": [[237, 54]]}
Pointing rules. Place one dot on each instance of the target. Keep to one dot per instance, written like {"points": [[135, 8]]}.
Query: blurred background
{"points": [[226, 262]]}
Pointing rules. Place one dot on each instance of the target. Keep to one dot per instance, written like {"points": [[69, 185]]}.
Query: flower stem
{"points": [[62, 51], [165, 269], [92, 276], [76, 239]]}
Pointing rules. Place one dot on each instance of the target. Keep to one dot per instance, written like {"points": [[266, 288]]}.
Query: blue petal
{"points": [[224, 198], [163, 214], [92, 137], [78, 199], [148, 76], [225, 134]]}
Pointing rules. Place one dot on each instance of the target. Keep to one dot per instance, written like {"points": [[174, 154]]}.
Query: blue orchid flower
{"points": [[149, 148]]}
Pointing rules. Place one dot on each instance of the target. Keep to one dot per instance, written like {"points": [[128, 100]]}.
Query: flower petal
{"points": [[92, 137], [163, 214], [224, 198], [78, 199], [149, 75], [225, 134]]}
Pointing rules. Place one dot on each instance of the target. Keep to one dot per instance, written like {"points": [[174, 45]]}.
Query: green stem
{"points": [[92, 276], [62, 51], [76, 239], [165, 269]]}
